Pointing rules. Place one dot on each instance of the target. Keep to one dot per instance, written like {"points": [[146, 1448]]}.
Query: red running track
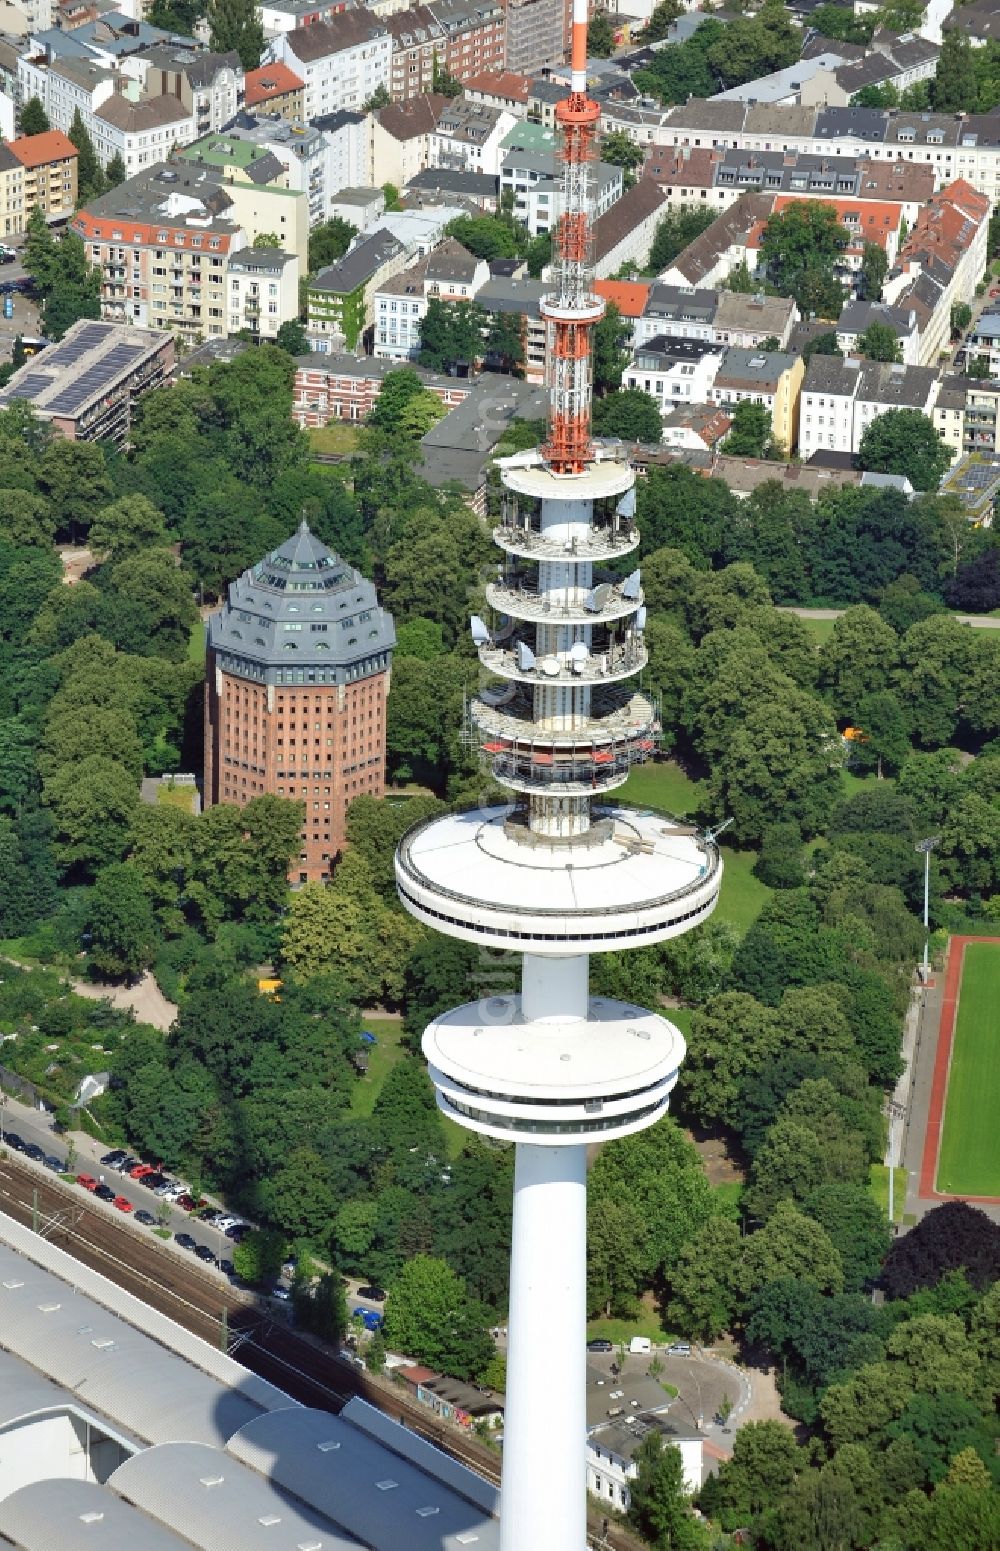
{"points": [[939, 1082]]}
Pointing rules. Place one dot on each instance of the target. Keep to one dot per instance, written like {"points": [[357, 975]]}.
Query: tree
{"points": [[127, 525], [879, 342], [662, 19], [505, 341], [659, 1504], [951, 1236], [329, 241], [115, 172], [905, 441], [750, 434], [731, 1037], [90, 179], [487, 236], [600, 36], [630, 414], [92, 806], [450, 333], [887, 733], [659, 1173], [291, 336], [783, 759], [235, 24], [800, 249], [857, 659], [705, 1295], [615, 1257], [538, 253], [955, 88], [765, 1462], [122, 934], [874, 266], [443, 81], [676, 231], [621, 151], [34, 119], [821, 344], [429, 1313], [779, 863], [258, 1256], [790, 1246], [961, 317]]}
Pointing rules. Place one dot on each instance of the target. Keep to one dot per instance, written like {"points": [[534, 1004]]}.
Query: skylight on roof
{"points": [[328, 1447], [386, 1486]]}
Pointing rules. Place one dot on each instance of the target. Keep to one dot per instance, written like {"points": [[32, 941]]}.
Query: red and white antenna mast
{"points": [[573, 310]]}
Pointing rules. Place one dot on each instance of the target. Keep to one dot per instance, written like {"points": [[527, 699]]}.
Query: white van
{"points": [[640, 1345]]}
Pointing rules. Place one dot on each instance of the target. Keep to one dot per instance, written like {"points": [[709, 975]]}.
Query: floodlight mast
{"points": [[557, 874]]}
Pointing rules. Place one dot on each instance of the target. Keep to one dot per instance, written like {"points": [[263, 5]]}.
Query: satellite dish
{"points": [[632, 585], [525, 656], [626, 506], [597, 599], [579, 652], [480, 634], [551, 667], [640, 618]]}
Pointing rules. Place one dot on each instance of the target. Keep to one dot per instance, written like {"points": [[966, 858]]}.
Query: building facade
{"points": [[93, 379], [36, 170], [342, 62], [298, 663], [341, 295], [262, 291]]}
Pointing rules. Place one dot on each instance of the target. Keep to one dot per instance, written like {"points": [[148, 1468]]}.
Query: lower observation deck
{"points": [[577, 1080], [609, 474], [603, 666], [635, 878]]}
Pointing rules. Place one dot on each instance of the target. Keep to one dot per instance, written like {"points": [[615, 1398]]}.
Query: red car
{"points": [[141, 1170], [995, 291], [87, 1181], [123, 1204]]}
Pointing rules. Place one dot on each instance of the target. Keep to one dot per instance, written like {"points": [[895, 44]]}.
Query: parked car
{"points": [[204, 1253], [227, 1267], [173, 1190], [238, 1232], [13, 1141], [127, 1164], [185, 1241], [123, 1204], [55, 1164], [142, 1169], [599, 1345], [104, 1193], [680, 1349], [111, 1160], [225, 1222], [368, 1317], [146, 1218], [153, 1181], [87, 1181], [187, 1202], [375, 1294], [32, 1150]]}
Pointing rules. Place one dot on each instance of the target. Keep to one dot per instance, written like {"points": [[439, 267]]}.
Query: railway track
{"points": [[304, 1368]]}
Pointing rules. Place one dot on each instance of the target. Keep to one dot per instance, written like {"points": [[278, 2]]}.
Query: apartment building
{"points": [[535, 182], [262, 292], [463, 39], [868, 221], [141, 131], [858, 316], [346, 387], [450, 273], [624, 234], [982, 343], [93, 380], [256, 146], [770, 378], [342, 62], [674, 370], [535, 34], [631, 298], [468, 137], [275, 89], [840, 399], [500, 88], [259, 189], [348, 156], [941, 262], [401, 137], [520, 298], [209, 86], [718, 317], [36, 170], [341, 296]]}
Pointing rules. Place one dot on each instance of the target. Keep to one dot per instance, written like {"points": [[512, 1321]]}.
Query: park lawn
{"points": [[661, 784], [196, 642], [381, 1059], [681, 1016], [743, 896], [339, 439], [878, 1184], [969, 1161], [646, 1323], [182, 797], [820, 629]]}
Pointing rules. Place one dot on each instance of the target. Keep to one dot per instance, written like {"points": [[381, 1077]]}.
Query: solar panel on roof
{"points": [[32, 385]]}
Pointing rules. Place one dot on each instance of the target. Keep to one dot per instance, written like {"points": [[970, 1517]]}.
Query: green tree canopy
{"points": [[905, 441], [429, 1313], [235, 25], [879, 342], [34, 119], [630, 414]]}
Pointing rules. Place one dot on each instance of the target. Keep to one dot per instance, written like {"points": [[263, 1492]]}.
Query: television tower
{"points": [[558, 874]]}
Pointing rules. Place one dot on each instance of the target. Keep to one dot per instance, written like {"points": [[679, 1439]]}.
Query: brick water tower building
{"points": [[297, 676]]}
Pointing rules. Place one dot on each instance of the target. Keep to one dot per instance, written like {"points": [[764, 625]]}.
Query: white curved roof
{"points": [[65, 1515], [385, 1500], [24, 1394], [106, 1363], [220, 1505]]}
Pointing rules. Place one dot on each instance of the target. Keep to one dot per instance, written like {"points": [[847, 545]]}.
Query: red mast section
{"points": [[573, 310]]}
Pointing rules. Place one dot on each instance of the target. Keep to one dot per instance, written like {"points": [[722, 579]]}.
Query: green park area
{"points": [[339, 439], [969, 1162]]}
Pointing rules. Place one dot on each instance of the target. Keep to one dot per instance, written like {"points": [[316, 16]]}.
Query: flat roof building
{"points": [[88, 384]]}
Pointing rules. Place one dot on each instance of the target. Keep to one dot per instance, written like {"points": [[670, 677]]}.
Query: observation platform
{"points": [[515, 597], [558, 1082], [620, 662], [616, 714], [609, 475], [599, 542], [634, 878]]}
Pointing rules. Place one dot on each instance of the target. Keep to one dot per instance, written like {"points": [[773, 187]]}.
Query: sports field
{"points": [[969, 1160]]}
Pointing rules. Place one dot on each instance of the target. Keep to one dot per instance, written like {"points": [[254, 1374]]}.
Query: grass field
{"points": [[879, 1187], [382, 1057], [969, 1161], [819, 629], [196, 642], [664, 786], [339, 439], [170, 796]]}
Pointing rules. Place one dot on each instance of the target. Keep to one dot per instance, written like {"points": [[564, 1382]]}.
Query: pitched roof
{"points": [[768, 314], [419, 116], [152, 113], [36, 150], [270, 81], [733, 225], [345, 29], [500, 83], [629, 296], [641, 201]]}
